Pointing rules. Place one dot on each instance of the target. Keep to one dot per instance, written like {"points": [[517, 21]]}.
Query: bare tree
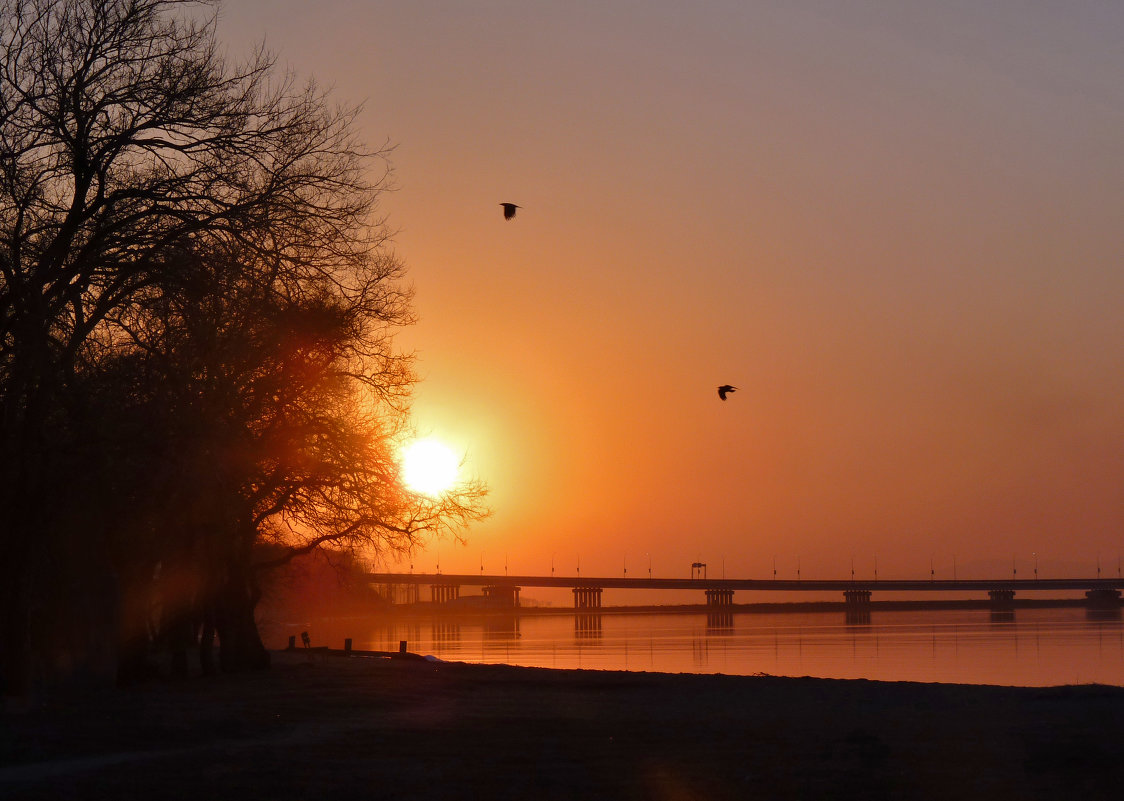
{"points": [[284, 442], [129, 151]]}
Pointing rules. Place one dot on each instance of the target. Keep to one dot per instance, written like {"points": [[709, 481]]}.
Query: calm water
{"points": [[1031, 647]]}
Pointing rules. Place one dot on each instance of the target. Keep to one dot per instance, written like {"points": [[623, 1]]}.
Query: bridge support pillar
{"points": [[1102, 599], [1001, 599], [444, 593], [719, 598], [587, 597], [501, 595], [402, 593], [856, 597]]}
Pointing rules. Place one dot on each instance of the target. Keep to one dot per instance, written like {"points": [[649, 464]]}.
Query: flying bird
{"points": [[509, 210], [725, 388]]}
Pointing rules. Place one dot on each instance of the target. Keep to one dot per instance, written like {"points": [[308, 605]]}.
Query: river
{"points": [[1027, 647]]}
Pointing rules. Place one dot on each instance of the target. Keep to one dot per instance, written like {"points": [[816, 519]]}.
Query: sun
{"points": [[429, 467]]}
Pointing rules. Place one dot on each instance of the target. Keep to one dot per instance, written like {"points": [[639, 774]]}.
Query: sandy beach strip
{"points": [[318, 726]]}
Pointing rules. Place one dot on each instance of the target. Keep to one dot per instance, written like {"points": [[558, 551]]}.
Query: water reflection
{"points": [[446, 632], [393, 634], [1039, 646], [503, 627], [587, 627], [700, 652], [720, 622]]}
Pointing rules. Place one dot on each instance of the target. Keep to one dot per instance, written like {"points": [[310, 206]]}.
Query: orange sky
{"points": [[895, 226]]}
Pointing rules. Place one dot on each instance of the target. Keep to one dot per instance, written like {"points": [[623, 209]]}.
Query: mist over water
{"points": [[1027, 647]]}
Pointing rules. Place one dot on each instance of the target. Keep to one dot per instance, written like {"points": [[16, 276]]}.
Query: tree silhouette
{"points": [[192, 296]]}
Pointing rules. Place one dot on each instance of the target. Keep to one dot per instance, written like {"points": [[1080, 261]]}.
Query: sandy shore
{"points": [[330, 727]]}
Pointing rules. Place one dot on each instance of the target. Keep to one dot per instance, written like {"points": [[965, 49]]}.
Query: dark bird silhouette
{"points": [[724, 389], [509, 210]]}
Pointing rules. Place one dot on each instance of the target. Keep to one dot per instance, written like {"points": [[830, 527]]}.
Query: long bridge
{"points": [[504, 590]]}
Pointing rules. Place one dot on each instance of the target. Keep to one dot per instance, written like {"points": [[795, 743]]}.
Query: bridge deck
{"points": [[777, 585]]}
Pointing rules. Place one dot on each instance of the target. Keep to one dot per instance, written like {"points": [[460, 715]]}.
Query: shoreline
{"points": [[317, 724]]}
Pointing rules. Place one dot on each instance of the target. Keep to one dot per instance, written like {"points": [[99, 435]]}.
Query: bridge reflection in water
{"points": [[446, 632], [587, 626], [720, 621], [501, 627], [1023, 645]]}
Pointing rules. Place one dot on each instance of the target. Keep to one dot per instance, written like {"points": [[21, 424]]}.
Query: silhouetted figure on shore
{"points": [[724, 390], [509, 210]]}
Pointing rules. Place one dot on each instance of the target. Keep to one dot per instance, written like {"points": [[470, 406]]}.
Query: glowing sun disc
{"points": [[429, 467]]}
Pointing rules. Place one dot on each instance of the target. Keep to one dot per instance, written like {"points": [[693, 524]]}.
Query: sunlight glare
{"points": [[429, 467]]}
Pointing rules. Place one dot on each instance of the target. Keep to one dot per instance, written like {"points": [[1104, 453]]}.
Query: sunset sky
{"points": [[897, 226]]}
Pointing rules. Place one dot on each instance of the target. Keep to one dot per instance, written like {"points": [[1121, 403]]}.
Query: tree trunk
{"points": [[24, 533], [207, 641], [15, 629], [133, 663], [241, 647]]}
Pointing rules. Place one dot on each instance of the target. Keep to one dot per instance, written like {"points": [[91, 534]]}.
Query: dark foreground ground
{"points": [[326, 727]]}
